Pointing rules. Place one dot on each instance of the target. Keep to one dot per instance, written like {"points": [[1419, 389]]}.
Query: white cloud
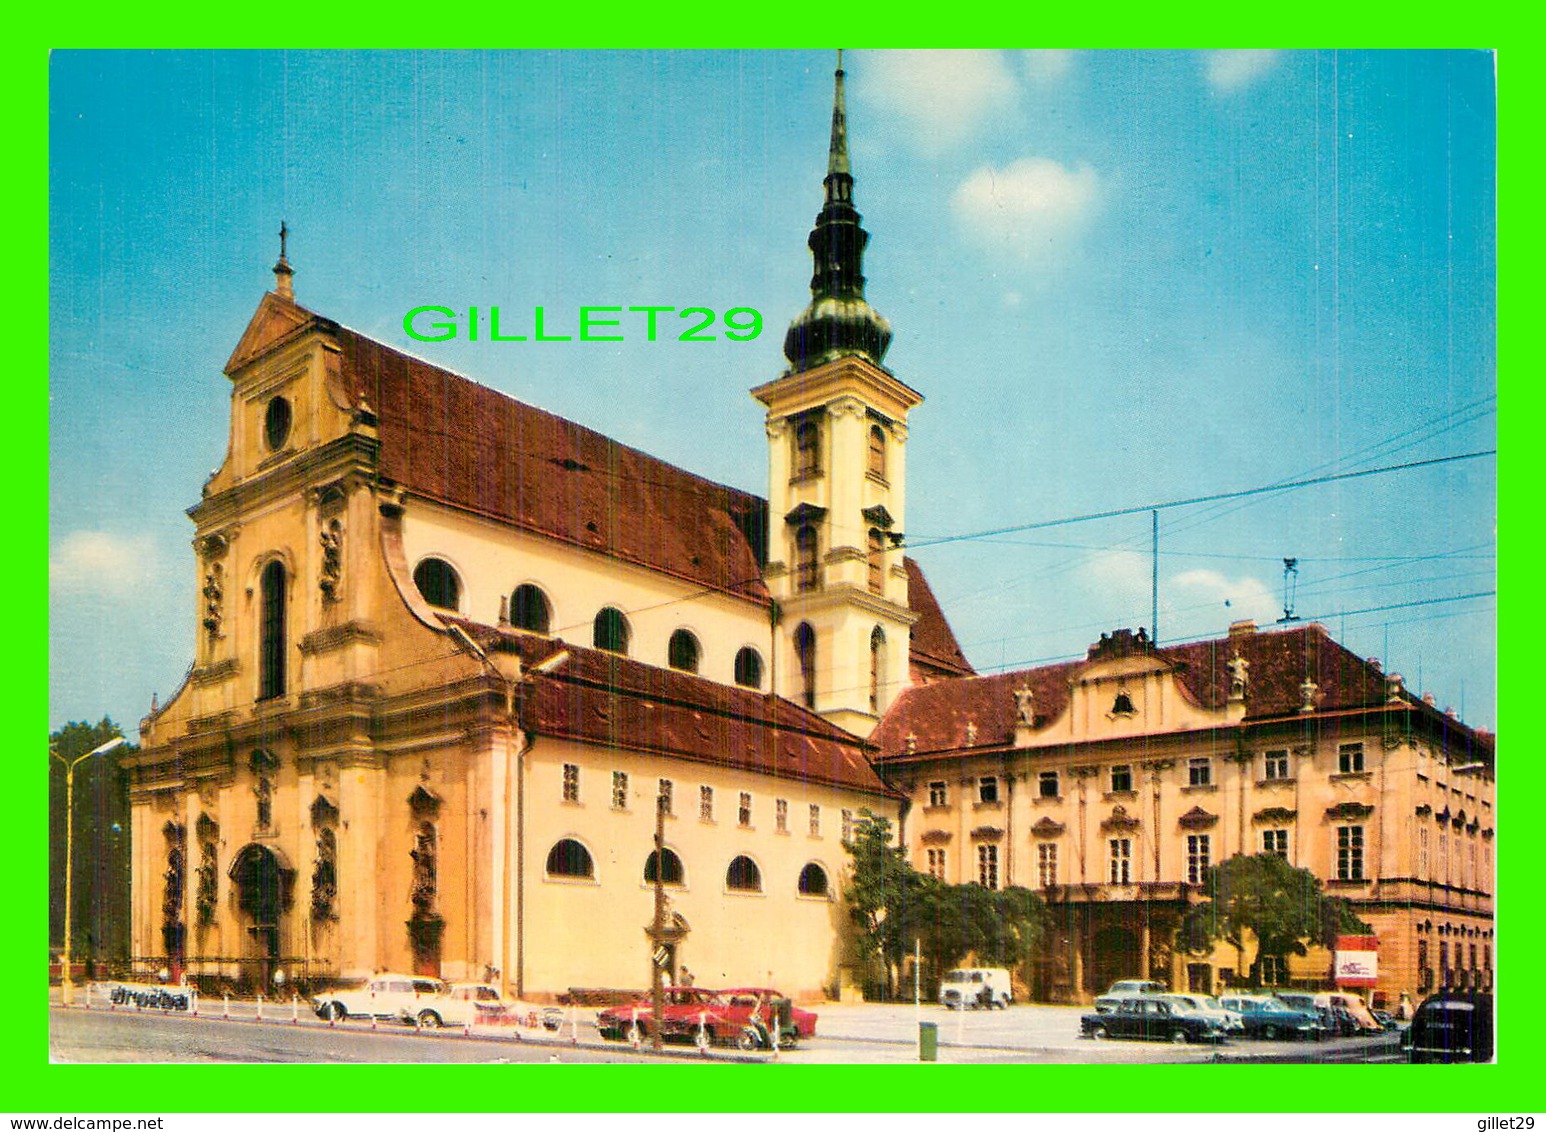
{"points": [[1046, 67], [1208, 598], [1034, 208], [1229, 71], [942, 98], [101, 563]]}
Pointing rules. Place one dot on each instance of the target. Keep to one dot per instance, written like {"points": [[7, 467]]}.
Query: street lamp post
{"points": [[69, 846]]}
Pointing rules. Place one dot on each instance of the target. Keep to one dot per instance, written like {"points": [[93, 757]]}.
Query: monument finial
{"points": [[283, 272]]}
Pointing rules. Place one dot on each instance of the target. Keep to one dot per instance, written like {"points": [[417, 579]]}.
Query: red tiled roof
{"points": [[469, 446], [612, 701], [937, 714], [934, 642]]}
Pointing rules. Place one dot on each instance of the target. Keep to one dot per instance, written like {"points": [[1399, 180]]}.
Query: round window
{"points": [[276, 423]]}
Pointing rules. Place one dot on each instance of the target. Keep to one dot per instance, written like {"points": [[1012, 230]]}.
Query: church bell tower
{"points": [[837, 437]]}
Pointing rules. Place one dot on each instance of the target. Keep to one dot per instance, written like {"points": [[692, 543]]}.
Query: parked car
{"points": [[460, 1004], [1127, 988], [381, 996], [1266, 1017], [1150, 1018], [802, 1023], [1228, 1021], [970, 987], [1386, 1019], [1355, 1007], [1451, 1026], [689, 1012], [1334, 1021]]}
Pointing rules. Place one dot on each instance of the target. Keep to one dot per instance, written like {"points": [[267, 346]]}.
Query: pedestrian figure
{"points": [[685, 979]]}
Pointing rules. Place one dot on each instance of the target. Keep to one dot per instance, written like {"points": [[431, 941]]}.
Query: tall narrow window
{"points": [[1199, 772], [1350, 852], [1121, 860], [743, 813], [682, 651], [815, 821], [805, 542], [748, 668], [438, 583], [847, 834], [936, 863], [1198, 856], [987, 866], [571, 782], [1275, 765], [1350, 758], [876, 561], [271, 660], [805, 652], [877, 665], [619, 790], [807, 449], [781, 815], [529, 609], [1422, 852], [1047, 864], [1121, 780], [663, 797], [877, 466], [705, 803], [939, 794], [610, 632]]}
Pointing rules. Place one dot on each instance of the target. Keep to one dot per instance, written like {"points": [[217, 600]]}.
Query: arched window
{"points": [[671, 874], [569, 858], [611, 632], [805, 651], [807, 449], [813, 880], [876, 560], [877, 451], [271, 647], [805, 577], [529, 609], [682, 652], [748, 668], [276, 423], [877, 664], [743, 876], [438, 583]]}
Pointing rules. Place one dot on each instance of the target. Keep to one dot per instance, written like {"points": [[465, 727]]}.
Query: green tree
{"points": [[884, 894], [1265, 898], [100, 888]]}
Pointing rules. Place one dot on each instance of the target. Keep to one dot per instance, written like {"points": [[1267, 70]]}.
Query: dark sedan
{"points": [[1451, 1026], [1267, 1018], [1149, 1020]]}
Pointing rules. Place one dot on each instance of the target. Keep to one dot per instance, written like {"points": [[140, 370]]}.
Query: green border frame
{"points": [[37, 1086]]}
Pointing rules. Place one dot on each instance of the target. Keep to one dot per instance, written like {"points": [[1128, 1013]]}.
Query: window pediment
{"points": [[987, 833], [1119, 819], [935, 836], [1274, 815], [1199, 818], [805, 513], [1348, 811], [1047, 828], [878, 516]]}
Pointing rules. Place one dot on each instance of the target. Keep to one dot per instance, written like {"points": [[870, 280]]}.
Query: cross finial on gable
{"points": [[283, 272]]}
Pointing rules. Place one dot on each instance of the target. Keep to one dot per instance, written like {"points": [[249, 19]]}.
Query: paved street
{"points": [[847, 1034]]}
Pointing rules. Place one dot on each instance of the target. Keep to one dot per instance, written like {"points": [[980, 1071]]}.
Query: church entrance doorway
{"points": [[263, 881]]}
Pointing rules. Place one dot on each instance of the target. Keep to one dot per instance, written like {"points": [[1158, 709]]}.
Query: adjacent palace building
{"points": [[455, 652]]}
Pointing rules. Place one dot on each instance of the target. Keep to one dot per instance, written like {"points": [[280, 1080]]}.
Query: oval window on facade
{"points": [[277, 419], [438, 583]]}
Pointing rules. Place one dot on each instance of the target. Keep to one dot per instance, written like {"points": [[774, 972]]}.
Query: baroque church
{"points": [[392, 751]]}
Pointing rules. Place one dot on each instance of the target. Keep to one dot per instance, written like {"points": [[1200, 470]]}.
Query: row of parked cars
{"points": [[417, 1000], [1144, 1010], [746, 1017]]}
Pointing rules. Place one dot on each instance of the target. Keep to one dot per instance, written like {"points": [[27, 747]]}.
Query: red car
{"points": [[689, 1012], [804, 1020]]}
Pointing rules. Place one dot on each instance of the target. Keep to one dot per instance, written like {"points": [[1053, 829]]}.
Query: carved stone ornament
{"points": [[1198, 818], [1307, 692], [214, 599], [1239, 677], [1047, 828], [424, 801], [1275, 815], [331, 576], [1119, 819], [971, 732], [1348, 811], [1025, 705], [935, 836], [987, 833]]}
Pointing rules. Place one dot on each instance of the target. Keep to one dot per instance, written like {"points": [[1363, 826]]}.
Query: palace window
{"points": [[1198, 851], [568, 858], [939, 794], [1274, 765], [610, 633], [743, 876], [1199, 772], [1350, 852], [805, 652], [682, 652], [663, 797], [1121, 780], [813, 880], [1272, 970], [705, 803], [1047, 784], [1422, 852], [748, 668], [1424, 972], [571, 782], [877, 662], [805, 567], [438, 584], [1350, 758], [987, 866], [781, 815], [671, 873], [271, 646], [1121, 850], [1275, 841], [847, 829], [815, 821], [987, 789], [877, 467], [936, 863], [807, 449], [1047, 864], [743, 815], [876, 561], [619, 790], [529, 609]]}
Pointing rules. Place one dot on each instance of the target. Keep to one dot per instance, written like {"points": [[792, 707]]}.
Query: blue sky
{"points": [[1117, 278]]}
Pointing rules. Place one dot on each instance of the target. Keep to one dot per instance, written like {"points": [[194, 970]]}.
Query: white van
{"points": [[971, 987]]}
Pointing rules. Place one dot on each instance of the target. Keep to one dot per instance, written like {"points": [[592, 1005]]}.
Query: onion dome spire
{"points": [[838, 322], [283, 272]]}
